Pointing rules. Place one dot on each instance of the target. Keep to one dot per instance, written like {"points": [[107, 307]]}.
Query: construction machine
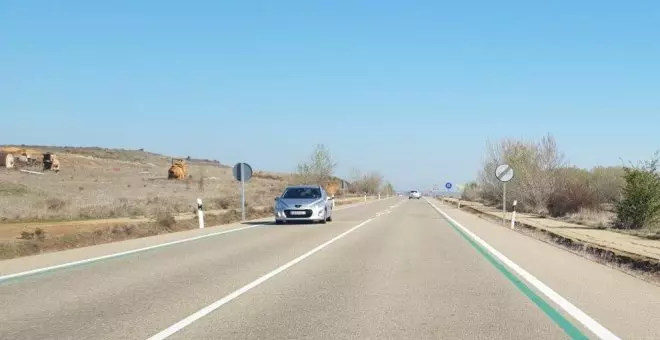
{"points": [[331, 187], [50, 162], [178, 170]]}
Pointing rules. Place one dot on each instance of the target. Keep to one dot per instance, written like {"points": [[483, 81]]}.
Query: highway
{"points": [[391, 269]]}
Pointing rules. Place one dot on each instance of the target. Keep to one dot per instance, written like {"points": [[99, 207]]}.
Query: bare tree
{"points": [[534, 165], [319, 168], [388, 188], [369, 183]]}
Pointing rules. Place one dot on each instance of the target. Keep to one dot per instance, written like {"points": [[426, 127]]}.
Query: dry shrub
{"points": [[572, 192], [533, 164], [265, 175], [223, 203], [542, 182], [55, 204], [369, 183], [608, 182], [471, 192]]}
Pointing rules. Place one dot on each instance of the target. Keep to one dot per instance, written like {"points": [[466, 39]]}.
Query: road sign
{"points": [[448, 186], [242, 173], [247, 171], [504, 173]]}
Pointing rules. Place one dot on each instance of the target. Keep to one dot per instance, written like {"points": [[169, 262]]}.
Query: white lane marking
{"points": [[105, 257], [139, 250], [210, 308], [575, 312]]}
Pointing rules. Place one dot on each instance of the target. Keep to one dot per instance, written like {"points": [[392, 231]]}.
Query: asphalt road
{"points": [[394, 269]]}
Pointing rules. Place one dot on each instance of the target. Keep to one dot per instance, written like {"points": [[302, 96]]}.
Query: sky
{"points": [[413, 90]]}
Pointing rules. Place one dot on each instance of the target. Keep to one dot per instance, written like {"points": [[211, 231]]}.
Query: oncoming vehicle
{"points": [[309, 203], [414, 194]]}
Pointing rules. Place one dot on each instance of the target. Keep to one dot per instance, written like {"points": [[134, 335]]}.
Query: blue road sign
{"points": [[448, 185]]}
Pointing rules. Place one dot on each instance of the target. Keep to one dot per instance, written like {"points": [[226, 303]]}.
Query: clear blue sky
{"points": [[411, 90]]}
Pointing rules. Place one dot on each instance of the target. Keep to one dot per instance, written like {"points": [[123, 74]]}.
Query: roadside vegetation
{"points": [[624, 198], [107, 195], [321, 168]]}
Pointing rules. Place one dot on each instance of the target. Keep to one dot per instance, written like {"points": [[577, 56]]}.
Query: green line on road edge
{"points": [[559, 319]]}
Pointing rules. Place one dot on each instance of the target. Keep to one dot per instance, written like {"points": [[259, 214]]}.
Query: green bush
{"points": [[640, 206]]}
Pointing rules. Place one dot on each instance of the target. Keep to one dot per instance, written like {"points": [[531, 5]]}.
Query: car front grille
{"points": [[308, 213]]}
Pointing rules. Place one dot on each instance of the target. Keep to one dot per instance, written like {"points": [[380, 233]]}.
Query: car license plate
{"points": [[297, 213]]}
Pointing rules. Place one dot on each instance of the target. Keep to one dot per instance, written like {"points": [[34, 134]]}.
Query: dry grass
{"points": [[99, 183], [595, 218], [38, 241]]}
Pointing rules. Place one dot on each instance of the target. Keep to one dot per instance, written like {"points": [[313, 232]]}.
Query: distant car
{"points": [[309, 203], [414, 194]]}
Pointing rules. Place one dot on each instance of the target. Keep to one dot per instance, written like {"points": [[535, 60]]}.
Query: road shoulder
{"points": [[624, 304]]}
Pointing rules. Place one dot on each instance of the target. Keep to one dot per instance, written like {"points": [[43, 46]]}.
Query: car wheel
{"points": [[329, 219], [279, 222]]}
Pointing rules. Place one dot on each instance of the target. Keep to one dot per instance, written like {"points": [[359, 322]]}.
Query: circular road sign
{"points": [[247, 171], [504, 172], [448, 185]]}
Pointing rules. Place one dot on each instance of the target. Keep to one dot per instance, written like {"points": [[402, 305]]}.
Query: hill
{"points": [[104, 183]]}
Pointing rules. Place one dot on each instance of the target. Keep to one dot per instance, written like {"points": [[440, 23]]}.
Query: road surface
{"points": [[392, 269]]}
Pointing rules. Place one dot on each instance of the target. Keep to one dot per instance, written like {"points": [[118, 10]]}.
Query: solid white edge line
{"points": [[109, 256], [591, 324], [210, 308], [139, 250]]}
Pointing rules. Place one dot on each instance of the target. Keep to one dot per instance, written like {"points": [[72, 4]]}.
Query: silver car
{"points": [[309, 203]]}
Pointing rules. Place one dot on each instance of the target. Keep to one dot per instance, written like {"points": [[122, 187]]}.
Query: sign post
{"points": [[504, 173], [242, 173]]}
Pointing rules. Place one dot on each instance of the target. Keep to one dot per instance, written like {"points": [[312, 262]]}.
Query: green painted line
{"points": [[572, 331]]}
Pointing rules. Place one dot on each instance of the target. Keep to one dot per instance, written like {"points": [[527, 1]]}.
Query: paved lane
{"points": [[406, 275], [378, 271], [134, 296]]}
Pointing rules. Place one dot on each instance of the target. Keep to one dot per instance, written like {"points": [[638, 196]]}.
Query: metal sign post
{"points": [[504, 173], [242, 173]]}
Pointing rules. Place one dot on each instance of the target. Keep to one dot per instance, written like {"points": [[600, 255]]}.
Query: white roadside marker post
{"points": [[200, 213], [513, 215]]}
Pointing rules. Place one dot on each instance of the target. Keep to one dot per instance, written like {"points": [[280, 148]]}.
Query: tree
{"points": [[640, 206], [534, 164], [369, 183], [319, 168], [388, 188]]}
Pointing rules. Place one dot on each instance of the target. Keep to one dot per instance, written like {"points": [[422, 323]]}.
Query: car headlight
{"points": [[280, 206]]}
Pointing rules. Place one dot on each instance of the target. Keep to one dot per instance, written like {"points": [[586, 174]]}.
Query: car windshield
{"points": [[302, 193]]}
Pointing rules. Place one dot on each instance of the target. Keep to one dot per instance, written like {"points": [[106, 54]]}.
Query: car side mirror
{"points": [[332, 197], [276, 198]]}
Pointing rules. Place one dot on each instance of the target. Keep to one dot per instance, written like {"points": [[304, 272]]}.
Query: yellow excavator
{"points": [[178, 170]]}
